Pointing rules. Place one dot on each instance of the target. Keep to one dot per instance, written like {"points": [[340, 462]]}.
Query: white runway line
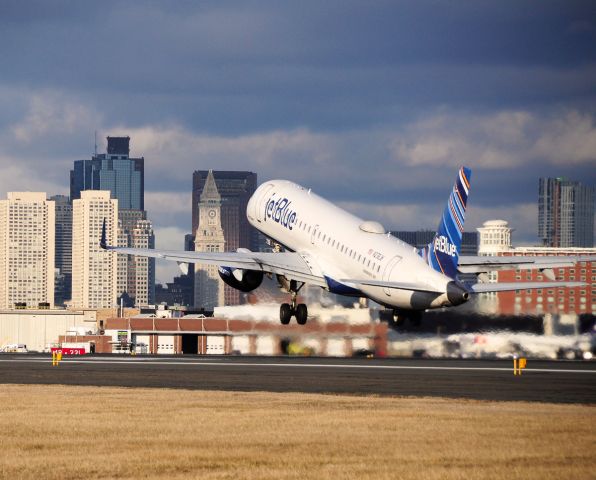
{"points": [[296, 365]]}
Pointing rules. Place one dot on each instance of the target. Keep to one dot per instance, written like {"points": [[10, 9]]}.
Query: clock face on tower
{"points": [[211, 213]]}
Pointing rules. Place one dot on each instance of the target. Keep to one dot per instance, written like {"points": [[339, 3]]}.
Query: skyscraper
{"points": [[27, 235], [115, 171], [209, 237], [565, 213], [235, 189], [124, 177], [94, 271], [63, 251]]}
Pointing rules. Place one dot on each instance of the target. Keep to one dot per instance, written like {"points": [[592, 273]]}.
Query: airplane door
{"points": [[314, 233], [259, 205], [388, 270]]}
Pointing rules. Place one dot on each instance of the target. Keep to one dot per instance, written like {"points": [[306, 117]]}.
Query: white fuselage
{"points": [[340, 246]]}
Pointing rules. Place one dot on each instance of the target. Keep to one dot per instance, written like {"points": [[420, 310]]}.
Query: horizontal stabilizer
{"points": [[506, 287], [483, 264], [415, 287]]}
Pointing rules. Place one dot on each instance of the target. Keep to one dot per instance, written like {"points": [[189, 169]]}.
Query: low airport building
{"points": [[204, 335], [200, 335]]}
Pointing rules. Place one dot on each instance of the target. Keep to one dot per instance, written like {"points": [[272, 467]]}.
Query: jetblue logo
{"points": [[442, 245], [280, 211]]}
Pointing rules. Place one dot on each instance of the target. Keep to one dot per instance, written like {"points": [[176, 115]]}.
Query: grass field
{"points": [[63, 432]]}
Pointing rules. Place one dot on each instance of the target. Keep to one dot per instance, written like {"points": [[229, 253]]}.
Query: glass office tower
{"points": [[115, 171]]}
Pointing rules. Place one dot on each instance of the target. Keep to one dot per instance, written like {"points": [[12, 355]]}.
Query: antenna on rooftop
{"points": [[95, 150]]}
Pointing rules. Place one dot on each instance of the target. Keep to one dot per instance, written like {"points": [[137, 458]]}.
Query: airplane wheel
{"points": [[398, 319], [285, 313], [301, 314]]}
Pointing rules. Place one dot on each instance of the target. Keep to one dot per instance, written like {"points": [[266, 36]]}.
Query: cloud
{"points": [[509, 139], [169, 209], [51, 113], [569, 138]]}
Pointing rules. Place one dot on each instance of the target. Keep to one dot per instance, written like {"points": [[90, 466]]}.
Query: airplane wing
{"points": [[485, 264], [292, 265]]}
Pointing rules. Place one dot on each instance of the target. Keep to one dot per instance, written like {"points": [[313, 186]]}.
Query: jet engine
{"points": [[243, 280]]}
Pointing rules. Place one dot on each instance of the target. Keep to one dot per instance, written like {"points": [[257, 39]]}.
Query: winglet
{"points": [[103, 243]]}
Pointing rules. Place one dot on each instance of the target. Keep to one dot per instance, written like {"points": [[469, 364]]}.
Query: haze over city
{"points": [[328, 95]]}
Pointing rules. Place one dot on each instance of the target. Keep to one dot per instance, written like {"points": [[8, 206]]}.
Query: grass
{"points": [[60, 432]]}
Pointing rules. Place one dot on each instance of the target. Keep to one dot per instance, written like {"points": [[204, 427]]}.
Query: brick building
{"points": [[196, 334], [495, 239], [579, 300]]}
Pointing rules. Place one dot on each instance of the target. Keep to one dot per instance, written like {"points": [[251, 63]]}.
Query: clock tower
{"points": [[209, 237]]}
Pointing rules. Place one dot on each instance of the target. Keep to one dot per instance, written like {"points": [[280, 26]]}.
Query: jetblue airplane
{"points": [[326, 246]]}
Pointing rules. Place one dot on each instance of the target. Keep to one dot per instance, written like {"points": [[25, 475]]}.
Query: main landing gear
{"points": [[287, 310], [399, 317]]}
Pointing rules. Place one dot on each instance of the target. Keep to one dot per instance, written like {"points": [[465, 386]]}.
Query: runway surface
{"points": [[543, 381]]}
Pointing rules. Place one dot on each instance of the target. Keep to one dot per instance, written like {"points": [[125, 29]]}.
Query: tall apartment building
{"points": [[27, 235], [124, 177], [63, 251], [565, 213], [136, 275], [235, 189], [209, 237], [94, 271]]}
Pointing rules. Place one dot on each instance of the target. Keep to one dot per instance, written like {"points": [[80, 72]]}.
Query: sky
{"points": [[372, 104]]}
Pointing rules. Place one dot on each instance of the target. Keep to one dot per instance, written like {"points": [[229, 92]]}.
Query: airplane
{"points": [[324, 245]]}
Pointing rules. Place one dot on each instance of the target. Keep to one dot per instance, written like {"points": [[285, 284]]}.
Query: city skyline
{"points": [[375, 121], [164, 272]]}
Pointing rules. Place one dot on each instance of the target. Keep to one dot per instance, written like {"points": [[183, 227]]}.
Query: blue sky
{"points": [[372, 104]]}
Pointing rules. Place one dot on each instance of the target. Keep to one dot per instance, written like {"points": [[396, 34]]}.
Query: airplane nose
{"points": [[457, 293]]}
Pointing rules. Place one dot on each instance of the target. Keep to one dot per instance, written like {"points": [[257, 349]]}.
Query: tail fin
{"points": [[442, 254]]}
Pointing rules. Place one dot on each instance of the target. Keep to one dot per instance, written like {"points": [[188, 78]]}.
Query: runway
{"points": [[542, 381]]}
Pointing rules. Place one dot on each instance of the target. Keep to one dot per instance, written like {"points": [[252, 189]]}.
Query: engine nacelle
{"points": [[243, 280]]}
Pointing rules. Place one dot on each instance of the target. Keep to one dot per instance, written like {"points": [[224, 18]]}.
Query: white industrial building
{"points": [[39, 329]]}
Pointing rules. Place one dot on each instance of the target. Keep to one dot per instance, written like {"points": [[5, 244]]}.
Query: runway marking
{"points": [[294, 365]]}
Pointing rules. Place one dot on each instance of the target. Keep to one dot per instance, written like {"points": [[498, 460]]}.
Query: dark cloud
{"points": [[238, 66]]}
